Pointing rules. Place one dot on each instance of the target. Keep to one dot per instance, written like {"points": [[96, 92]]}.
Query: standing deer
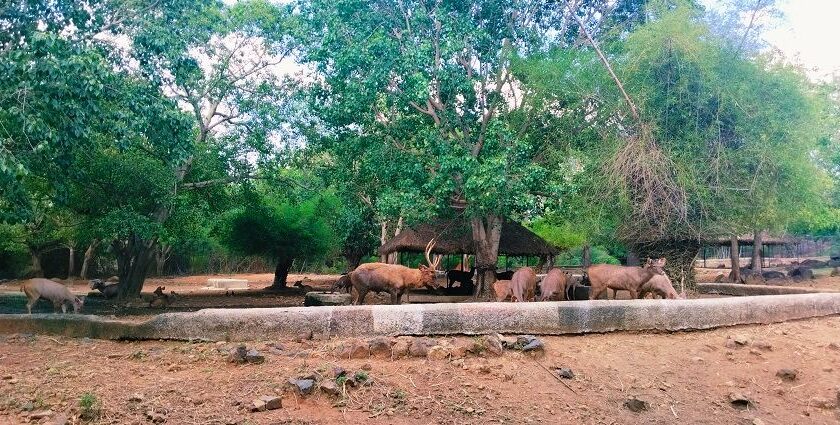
{"points": [[554, 284], [523, 284], [609, 276], [393, 278]]}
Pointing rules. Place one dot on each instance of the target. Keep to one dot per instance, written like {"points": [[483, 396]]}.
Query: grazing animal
{"points": [[393, 278], [523, 284], [52, 291], [304, 288], [108, 289], [159, 299], [465, 278], [554, 284], [659, 284], [343, 284], [506, 275], [501, 288], [609, 276]]}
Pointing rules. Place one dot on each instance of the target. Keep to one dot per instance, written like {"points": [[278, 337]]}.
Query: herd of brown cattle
{"points": [[521, 286]]}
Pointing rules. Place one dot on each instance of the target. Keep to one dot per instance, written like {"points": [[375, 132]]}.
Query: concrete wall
{"points": [[545, 318]]}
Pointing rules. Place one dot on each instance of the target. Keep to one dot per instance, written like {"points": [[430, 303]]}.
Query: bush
{"points": [[574, 257], [90, 408]]}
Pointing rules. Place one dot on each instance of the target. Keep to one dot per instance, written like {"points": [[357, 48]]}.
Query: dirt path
{"points": [[686, 378]]}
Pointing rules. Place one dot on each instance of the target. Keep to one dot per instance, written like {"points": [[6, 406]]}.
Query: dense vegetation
{"points": [[189, 136]]}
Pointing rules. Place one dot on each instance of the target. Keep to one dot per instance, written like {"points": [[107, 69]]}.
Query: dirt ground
{"points": [[686, 377]]}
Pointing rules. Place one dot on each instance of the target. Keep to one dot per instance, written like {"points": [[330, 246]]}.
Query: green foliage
{"points": [[90, 407], [279, 230], [574, 256]]}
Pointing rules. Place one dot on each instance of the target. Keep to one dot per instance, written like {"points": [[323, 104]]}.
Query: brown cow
{"points": [[554, 285], [502, 289], [609, 276], [523, 284]]}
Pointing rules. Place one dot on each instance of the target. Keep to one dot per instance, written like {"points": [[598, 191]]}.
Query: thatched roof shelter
{"points": [[455, 237]]}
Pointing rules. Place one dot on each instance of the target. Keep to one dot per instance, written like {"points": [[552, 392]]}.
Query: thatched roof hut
{"points": [[455, 237]]}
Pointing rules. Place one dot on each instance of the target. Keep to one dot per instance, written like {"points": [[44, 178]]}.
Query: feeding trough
{"points": [[227, 284]]}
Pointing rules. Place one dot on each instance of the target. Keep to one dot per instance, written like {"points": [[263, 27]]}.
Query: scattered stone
{"points": [[565, 373], [460, 348], [822, 403], [757, 421], [237, 354], [304, 336], [136, 398], [508, 342], [157, 416], [741, 340], [302, 386], [339, 371], [827, 369], [833, 346], [763, 345], [254, 356], [8, 377], [493, 344], [755, 352], [420, 347], [531, 344], [366, 367], [41, 414], [787, 374], [329, 387], [60, 419], [401, 347], [635, 404], [272, 402], [740, 401], [438, 352], [380, 347], [358, 350], [729, 343], [28, 406], [258, 406]]}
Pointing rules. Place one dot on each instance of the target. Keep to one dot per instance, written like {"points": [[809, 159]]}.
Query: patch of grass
{"points": [[399, 395], [90, 408], [340, 380], [361, 376]]}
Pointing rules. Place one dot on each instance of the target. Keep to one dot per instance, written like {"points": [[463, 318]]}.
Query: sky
{"points": [[808, 33]]}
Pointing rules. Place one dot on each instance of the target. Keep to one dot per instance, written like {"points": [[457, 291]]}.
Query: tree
{"points": [[422, 96], [281, 231]]}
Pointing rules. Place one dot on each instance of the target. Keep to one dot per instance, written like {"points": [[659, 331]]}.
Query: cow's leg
{"points": [[361, 298]]}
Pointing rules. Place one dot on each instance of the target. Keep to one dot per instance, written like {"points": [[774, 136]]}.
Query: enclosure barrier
{"points": [[739, 290], [544, 318]]}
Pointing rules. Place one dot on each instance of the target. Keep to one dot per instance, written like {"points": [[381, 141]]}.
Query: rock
{"points": [[302, 386], [258, 406], [380, 347], [635, 404], [304, 336], [729, 343], [493, 344], [329, 387], [366, 367], [822, 403], [237, 354], [741, 340], [136, 398], [530, 343], [763, 345], [438, 352], [508, 342], [827, 369], [757, 421], [359, 351], [740, 401], [787, 374], [7, 377], [339, 371], [755, 352], [420, 347], [312, 299], [60, 419], [833, 346], [272, 402], [460, 348], [157, 416], [401, 347], [565, 373], [254, 356], [41, 414], [27, 407]]}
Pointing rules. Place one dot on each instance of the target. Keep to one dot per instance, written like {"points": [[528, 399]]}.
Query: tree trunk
{"points": [[133, 259], [162, 255], [394, 258], [586, 256], [88, 257], [383, 237], [71, 262], [757, 245], [281, 273], [680, 256], [37, 270], [486, 234], [735, 258]]}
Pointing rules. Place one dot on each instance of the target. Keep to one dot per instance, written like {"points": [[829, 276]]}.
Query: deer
{"points": [[554, 284], [343, 284], [660, 285], [52, 291], [501, 288], [523, 284], [393, 278], [610, 276], [108, 289]]}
